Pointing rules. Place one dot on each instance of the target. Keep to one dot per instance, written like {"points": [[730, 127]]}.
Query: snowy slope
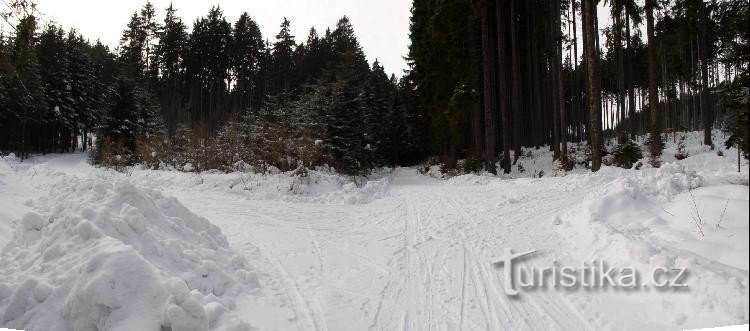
{"points": [[13, 194], [97, 254], [397, 251]]}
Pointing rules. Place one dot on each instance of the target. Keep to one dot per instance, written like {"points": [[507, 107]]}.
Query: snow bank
{"points": [[5, 218], [99, 255], [668, 217], [11, 194], [317, 187]]}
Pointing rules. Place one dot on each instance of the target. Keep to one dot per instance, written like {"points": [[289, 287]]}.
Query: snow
{"points": [[98, 254], [91, 248], [318, 186], [647, 222]]}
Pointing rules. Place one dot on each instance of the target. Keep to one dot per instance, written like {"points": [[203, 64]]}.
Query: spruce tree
{"points": [[82, 85], [151, 31], [283, 59], [130, 114], [207, 66], [132, 45], [247, 51], [55, 73], [29, 102], [170, 52]]}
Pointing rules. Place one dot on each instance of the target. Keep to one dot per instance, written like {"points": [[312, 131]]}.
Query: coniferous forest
{"points": [[487, 78], [496, 76], [531, 165]]}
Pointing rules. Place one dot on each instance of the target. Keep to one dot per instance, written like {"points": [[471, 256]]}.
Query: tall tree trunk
{"points": [[490, 109], [620, 74], [560, 85], [629, 78], [576, 100], [537, 77], [653, 90], [503, 84], [706, 111], [476, 84], [551, 46], [593, 82], [530, 108], [516, 81]]}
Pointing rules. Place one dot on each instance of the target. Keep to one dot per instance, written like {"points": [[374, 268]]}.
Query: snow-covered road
{"points": [[418, 259], [404, 251]]}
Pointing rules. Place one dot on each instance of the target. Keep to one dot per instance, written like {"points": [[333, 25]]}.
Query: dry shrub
{"points": [[265, 145], [152, 151], [275, 145], [681, 153], [112, 154], [566, 163], [229, 147], [309, 152], [189, 151]]}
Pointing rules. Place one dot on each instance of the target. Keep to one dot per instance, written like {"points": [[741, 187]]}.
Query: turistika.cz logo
{"points": [[593, 274]]}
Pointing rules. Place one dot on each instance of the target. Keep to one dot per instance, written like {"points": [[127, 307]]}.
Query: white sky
{"points": [[382, 26]]}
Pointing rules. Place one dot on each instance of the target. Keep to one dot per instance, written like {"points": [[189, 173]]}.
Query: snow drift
{"points": [[671, 217], [98, 255], [318, 186]]}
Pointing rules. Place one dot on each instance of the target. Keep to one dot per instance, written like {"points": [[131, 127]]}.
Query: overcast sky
{"points": [[382, 26]]}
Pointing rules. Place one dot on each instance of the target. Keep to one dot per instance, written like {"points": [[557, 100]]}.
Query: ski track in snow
{"points": [[418, 259]]}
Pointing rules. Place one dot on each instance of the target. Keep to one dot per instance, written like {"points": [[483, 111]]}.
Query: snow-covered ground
{"points": [[87, 248]]}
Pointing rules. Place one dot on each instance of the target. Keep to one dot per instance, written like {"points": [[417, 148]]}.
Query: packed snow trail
{"points": [[403, 251], [418, 259]]}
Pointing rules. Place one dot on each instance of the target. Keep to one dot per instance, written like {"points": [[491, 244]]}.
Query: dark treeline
{"points": [[498, 75], [205, 99], [49, 87], [487, 78]]}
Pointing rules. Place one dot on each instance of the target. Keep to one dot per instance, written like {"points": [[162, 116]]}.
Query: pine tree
{"points": [[283, 60], [130, 114], [82, 85], [132, 45], [170, 52], [247, 51], [151, 32], [207, 66], [55, 73], [310, 67], [29, 105], [338, 106], [380, 118]]}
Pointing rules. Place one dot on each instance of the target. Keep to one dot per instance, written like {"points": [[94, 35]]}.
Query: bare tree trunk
{"points": [[560, 85], [653, 89], [593, 82], [531, 110], [629, 78], [24, 155], [516, 80], [706, 111], [476, 82], [620, 74], [503, 85], [490, 109], [576, 100], [551, 46]]}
